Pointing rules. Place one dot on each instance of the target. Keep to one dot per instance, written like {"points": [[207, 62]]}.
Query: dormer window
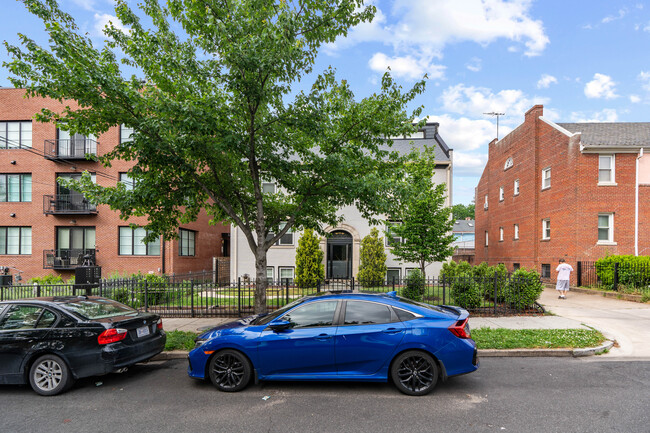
{"points": [[508, 164]]}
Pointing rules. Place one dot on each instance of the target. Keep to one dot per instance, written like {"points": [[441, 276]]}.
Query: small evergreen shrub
{"points": [[372, 266], [414, 286], [309, 260]]}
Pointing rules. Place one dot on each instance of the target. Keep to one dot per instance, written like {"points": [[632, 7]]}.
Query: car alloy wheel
{"points": [[415, 373], [49, 375], [230, 370]]}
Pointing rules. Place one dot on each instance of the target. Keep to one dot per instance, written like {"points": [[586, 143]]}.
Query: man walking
{"points": [[563, 276]]}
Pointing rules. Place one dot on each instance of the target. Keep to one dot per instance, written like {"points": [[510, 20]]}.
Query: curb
{"points": [[484, 353]]}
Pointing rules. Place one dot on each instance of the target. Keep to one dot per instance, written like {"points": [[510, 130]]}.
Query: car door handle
{"points": [[323, 337], [391, 331]]}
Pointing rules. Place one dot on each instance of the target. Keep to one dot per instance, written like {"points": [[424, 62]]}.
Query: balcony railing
{"points": [[68, 204], [68, 258], [70, 148]]}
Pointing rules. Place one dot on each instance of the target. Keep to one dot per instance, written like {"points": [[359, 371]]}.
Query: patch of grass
{"points": [[180, 340], [487, 338]]}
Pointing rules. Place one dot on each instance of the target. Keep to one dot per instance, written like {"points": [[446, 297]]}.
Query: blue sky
{"points": [[584, 60]]}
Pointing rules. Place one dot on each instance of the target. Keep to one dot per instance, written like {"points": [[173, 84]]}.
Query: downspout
{"points": [[636, 205]]}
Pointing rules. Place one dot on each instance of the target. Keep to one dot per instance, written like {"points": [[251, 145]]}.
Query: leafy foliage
{"points": [[372, 267], [47, 279], [216, 109], [633, 271], [466, 291], [523, 289], [309, 260], [414, 286], [425, 223], [461, 211]]}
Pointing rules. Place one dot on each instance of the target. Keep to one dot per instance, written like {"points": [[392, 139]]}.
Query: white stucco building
{"points": [[342, 247]]}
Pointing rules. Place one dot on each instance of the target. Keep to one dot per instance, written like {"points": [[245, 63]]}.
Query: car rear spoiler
{"points": [[462, 313]]}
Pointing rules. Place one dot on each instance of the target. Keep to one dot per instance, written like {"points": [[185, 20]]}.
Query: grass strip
{"points": [[180, 340], [500, 338]]}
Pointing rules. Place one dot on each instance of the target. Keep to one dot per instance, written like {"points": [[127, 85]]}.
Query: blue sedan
{"points": [[340, 337]]}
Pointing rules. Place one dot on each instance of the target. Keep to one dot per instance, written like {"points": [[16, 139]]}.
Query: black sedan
{"points": [[51, 342]]}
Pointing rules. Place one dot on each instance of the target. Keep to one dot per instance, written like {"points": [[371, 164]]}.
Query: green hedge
{"points": [[523, 289], [414, 286], [467, 293], [633, 271]]}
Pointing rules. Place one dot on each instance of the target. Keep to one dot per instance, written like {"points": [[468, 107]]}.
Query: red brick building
{"points": [[48, 229], [564, 190]]}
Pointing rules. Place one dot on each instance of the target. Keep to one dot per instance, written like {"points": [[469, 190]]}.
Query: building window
{"points": [[270, 274], [268, 187], [546, 229], [131, 243], [125, 134], [485, 206], [508, 164], [546, 270], [546, 178], [75, 238], [126, 179], [186, 242], [501, 194], [606, 169], [392, 239], [515, 266], [285, 275], [14, 135], [516, 231], [516, 188], [486, 238], [15, 187], [15, 240], [409, 271], [393, 275], [500, 234], [605, 227]]}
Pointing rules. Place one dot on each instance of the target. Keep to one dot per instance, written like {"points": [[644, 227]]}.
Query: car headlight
{"points": [[198, 342]]}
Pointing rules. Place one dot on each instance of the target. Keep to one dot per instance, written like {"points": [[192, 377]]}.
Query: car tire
{"points": [[414, 372], [50, 375], [229, 370]]}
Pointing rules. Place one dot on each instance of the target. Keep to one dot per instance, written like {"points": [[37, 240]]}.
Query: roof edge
{"points": [[558, 127]]}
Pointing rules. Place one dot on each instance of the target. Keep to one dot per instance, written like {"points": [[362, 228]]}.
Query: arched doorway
{"points": [[339, 254]]}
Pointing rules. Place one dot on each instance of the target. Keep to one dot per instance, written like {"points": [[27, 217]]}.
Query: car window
{"points": [[20, 317], [404, 315], [98, 308], [366, 313], [312, 314], [263, 320], [47, 319]]}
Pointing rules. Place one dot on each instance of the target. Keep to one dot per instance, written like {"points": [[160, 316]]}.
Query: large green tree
{"points": [[220, 106], [422, 220], [461, 211]]}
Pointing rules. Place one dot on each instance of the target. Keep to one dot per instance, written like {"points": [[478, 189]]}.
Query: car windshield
{"points": [[422, 304], [98, 308], [277, 313]]}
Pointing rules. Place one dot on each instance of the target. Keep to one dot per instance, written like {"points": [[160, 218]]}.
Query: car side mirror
{"points": [[280, 325]]}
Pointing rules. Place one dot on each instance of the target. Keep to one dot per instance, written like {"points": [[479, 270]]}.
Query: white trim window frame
{"points": [[268, 187], [606, 228], [485, 206], [500, 234], [546, 178], [606, 170], [501, 193], [516, 187], [516, 237], [546, 229], [487, 238], [391, 240]]}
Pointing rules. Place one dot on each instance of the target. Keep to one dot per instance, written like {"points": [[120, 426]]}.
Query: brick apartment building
{"points": [[564, 190], [48, 229]]}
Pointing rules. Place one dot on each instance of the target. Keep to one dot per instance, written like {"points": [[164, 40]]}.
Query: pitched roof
{"points": [[618, 134], [431, 139], [463, 226]]}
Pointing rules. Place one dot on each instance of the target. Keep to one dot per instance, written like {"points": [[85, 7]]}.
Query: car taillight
{"points": [[159, 324], [111, 335], [461, 329]]}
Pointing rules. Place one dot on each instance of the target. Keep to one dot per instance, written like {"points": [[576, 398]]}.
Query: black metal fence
{"points": [[202, 296], [621, 277]]}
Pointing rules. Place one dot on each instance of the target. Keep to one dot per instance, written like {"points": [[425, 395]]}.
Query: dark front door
{"points": [[339, 255]]}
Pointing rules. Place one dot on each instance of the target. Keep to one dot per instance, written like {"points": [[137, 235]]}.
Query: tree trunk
{"points": [[260, 280]]}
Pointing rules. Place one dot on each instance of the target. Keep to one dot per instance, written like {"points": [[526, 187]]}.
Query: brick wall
{"points": [[13, 106]]}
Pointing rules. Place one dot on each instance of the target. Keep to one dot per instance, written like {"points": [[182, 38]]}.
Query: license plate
{"points": [[143, 331]]}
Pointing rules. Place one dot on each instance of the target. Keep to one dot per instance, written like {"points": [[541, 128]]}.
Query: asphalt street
{"points": [[505, 394]]}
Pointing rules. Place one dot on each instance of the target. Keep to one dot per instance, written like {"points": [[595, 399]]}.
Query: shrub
{"points": [[633, 271], [414, 286], [47, 279], [452, 269], [466, 292], [523, 289], [309, 260], [372, 266]]}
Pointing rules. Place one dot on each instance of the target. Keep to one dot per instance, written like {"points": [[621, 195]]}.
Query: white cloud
{"points": [[608, 19], [605, 115], [407, 66], [466, 134], [644, 77], [469, 164], [546, 81], [601, 86], [101, 20], [88, 5], [474, 64], [635, 99], [474, 101]]}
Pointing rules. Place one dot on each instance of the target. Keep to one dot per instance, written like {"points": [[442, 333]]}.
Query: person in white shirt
{"points": [[563, 276]]}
